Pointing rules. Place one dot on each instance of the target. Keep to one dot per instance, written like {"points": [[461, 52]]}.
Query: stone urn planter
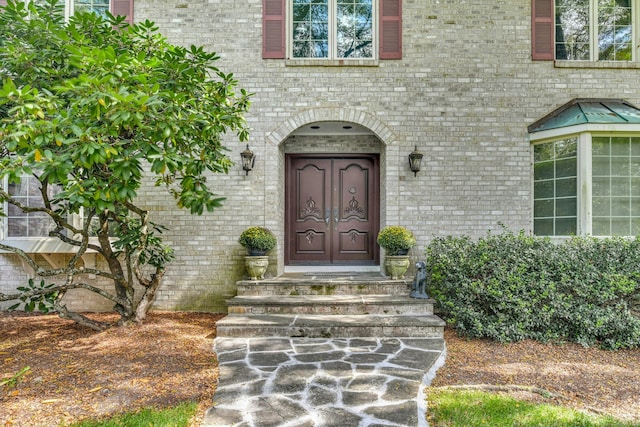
{"points": [[397, 266], [258, 241], [256, 266], [396, 241]]}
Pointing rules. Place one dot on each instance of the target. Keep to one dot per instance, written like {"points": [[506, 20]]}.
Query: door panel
{"points": [[352, 195], [331, 211], [311, 204]]}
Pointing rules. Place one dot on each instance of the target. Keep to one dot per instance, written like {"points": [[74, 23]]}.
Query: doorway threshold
{"points": [[331, 268]]}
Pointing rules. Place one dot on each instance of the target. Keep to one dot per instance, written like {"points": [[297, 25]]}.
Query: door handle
{"points": [[327, 216], [335, 218]]}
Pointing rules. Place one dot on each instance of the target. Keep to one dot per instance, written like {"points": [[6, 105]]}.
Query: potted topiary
{"points": [[258, 241], [396, 241]]}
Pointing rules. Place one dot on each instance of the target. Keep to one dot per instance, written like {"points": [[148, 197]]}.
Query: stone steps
{"points": [[329, 304], [321, 286], [330, 326]]}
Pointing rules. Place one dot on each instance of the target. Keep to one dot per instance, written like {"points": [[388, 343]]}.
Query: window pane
{"points": [[310, 29], [566, 148], [601, 186], [566, 168], [614, 30], [566, 187], [572, 29], [601, 166], [601, 206], [600, 146], [543, 170], [601, 227], [566, 227], [566, 207], [354, 29], [544, 189], [543, 227], [543, 208], [542, 152]]}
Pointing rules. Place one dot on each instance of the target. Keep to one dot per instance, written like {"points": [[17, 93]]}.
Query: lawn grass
{"points": [[464, 408], [177, 416]]}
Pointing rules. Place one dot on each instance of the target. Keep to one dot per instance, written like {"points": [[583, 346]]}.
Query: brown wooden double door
{"points": [[332, 209]]}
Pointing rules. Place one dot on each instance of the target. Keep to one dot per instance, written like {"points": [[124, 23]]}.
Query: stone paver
{"points": [[318, 382]]}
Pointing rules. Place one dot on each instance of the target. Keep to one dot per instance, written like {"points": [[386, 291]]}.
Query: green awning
{"points": [[587, 111]]}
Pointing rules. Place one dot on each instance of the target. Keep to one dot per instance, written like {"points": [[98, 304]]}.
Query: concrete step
{"points": [[292, 286], [330, 304], [330, 326]]}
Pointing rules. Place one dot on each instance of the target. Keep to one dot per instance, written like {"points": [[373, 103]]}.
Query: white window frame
{"points": [[593, 35], [333, 47], [584, 134]]}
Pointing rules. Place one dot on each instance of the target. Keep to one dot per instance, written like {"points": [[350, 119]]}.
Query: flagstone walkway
{"points": [[318, 382]]}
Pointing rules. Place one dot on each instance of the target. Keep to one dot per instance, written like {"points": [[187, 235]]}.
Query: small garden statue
{"points": [[419, 285]]}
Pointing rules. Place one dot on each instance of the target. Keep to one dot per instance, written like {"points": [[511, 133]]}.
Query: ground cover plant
{"points": [[511, 287]]}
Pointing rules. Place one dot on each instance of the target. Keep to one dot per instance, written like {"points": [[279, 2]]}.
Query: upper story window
{"points": [[594, 30], [584, 30], [339, 30], [332, 29]]}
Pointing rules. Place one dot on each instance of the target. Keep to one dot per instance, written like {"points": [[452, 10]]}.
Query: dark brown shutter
{"points": [[390, 29], [123, 8], [542, 23], [273, 25]]}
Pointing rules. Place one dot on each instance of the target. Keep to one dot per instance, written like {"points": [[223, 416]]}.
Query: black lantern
{"points": [[248, 160], [415, 158]]}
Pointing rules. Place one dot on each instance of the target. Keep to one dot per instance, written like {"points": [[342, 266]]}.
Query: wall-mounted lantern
{"points": [[248, 160], [415, 158]]}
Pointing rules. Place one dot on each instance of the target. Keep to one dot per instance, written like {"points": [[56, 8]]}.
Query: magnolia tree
{"points": [[86, 106]]}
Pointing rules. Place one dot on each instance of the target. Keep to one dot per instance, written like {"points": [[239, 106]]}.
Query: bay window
{"points": [[586, 170]]}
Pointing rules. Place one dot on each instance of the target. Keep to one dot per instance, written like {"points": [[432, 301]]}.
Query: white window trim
{"points": [[332, 60]]}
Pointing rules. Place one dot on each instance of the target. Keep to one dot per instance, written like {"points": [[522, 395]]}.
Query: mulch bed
{"points": [[76, 373]]}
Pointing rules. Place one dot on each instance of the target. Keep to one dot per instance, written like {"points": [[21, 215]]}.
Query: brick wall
{"points": [[463, 93]]}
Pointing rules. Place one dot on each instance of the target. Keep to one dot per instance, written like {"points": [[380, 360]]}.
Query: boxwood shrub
{"points": [[511, 287]]}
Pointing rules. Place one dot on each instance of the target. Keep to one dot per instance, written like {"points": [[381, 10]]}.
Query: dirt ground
{"points": [[75, 373]]}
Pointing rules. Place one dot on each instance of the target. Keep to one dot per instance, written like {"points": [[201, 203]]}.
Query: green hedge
{"points": [[511, 287]]}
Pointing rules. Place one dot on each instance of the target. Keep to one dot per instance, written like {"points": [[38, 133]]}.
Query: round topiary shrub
{"points": [[396, 240], [258, 239]]}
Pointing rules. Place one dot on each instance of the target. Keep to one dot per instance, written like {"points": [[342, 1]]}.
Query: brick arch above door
{"points": [[280, 134]]}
